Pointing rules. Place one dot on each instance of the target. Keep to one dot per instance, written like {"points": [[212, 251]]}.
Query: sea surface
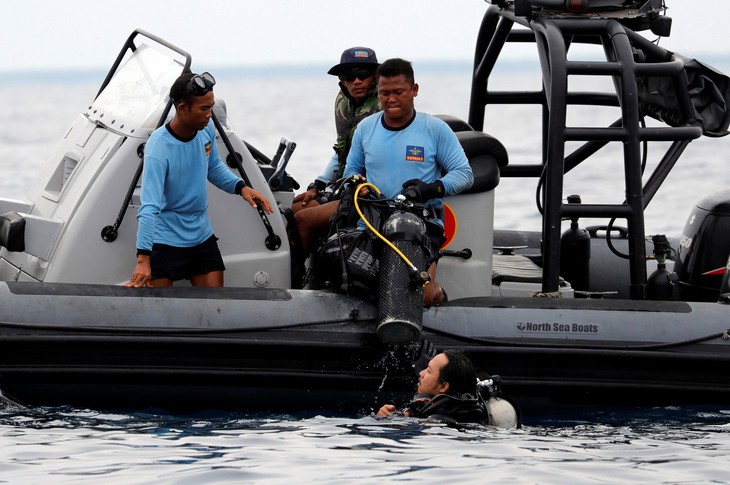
{"points": [[598, 445], [593, 446]]}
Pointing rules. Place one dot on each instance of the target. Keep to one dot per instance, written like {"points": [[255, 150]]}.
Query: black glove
{"points": [[419, 191], [317, 184]]}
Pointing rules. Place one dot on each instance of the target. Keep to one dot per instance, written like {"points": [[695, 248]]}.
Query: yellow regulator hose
{"points": [[380, 236]]}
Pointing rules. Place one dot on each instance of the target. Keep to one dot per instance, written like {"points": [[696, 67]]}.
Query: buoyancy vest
{"points": [[463, 408]]}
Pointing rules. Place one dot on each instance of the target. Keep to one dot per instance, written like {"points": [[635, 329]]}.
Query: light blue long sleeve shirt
{"points": [[426, 149], [330, 171], [174, 208]]}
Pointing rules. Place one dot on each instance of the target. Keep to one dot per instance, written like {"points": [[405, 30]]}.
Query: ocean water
{"points": [[79, 446], [629, 445]]}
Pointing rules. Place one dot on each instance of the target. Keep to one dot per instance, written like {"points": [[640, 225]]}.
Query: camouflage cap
{"points": [[355, 57]]}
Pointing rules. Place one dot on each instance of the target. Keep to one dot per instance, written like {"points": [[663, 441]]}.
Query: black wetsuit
{"points": [[464, 408]]}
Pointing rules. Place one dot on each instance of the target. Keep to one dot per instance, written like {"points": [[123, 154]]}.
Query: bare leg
{"points": [[214, 278], [313, 219], [161, 282], [297, 206]]}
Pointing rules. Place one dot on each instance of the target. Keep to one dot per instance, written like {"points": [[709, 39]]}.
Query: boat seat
{"points": [[486, 156], [456, 124], [485, 153]]}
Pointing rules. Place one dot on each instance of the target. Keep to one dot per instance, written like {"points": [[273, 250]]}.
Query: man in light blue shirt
{"points": [[401, 151], [175, 238]]}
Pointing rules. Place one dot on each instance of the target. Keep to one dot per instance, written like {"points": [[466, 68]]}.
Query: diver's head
{"points": [[449, 372], [459, 373]]}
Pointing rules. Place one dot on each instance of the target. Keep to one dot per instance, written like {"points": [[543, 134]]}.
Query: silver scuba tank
{"points": [[502, 412]]}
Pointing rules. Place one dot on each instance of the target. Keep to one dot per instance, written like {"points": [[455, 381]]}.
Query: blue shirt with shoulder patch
{"points": [[425, 149], [174, 208]]}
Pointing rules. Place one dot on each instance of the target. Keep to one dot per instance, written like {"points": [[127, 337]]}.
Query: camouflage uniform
{"points": [[347, 117]]}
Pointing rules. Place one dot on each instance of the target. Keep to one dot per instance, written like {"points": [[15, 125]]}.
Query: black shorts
{"points": [[176, 263]]}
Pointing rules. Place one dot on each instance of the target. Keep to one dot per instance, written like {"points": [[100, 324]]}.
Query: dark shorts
{"points": [[178, 263]]}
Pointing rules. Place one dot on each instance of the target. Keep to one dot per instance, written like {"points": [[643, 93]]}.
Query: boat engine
{"points": [[704, 248], [400, 287]]}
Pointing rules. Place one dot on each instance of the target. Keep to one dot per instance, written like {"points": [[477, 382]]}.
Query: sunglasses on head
{"points": [[361, 74], [200, 84]]}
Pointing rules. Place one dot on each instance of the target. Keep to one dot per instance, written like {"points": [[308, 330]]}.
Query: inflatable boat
{"points": [[564, 313]]}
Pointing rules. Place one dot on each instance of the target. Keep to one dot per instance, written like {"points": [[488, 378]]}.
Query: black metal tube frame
{"points": [[552, 37], [110, 233]]}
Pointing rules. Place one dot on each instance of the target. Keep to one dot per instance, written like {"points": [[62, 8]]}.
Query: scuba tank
{"points": [[400, 291], [575, 253], [503, 413], [662, 284]]}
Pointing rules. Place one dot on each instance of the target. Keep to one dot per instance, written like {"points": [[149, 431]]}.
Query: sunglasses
{"points": [[200, 84], [361, 74]]}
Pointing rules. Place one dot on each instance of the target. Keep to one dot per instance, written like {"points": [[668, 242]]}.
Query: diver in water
{"points": [[448, 390]]}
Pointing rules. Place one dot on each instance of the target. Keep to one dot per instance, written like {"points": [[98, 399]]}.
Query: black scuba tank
{"points": [[662, 284], [575, 253], [400, 294]]}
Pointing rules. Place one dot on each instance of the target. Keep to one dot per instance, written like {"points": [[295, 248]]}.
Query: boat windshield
{"points": [[136, 96]]}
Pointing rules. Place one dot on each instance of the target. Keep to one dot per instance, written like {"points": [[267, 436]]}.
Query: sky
{"points": [[88, 34]]}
